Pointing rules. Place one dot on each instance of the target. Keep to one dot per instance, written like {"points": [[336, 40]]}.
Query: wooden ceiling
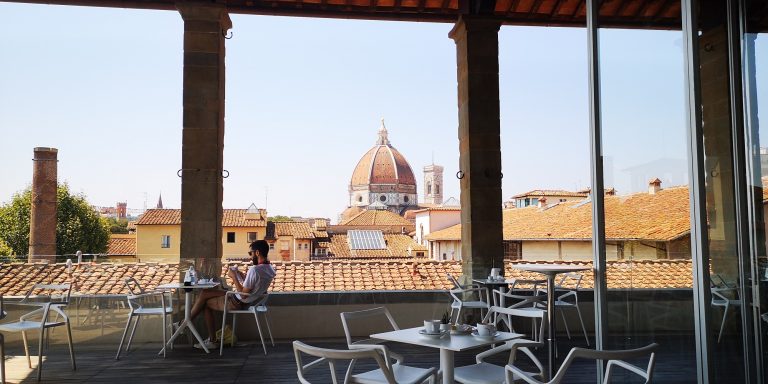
{"points": [[646, 14]]}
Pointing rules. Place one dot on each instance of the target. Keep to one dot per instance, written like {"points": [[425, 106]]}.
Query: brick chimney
{"points": [[542, 202], [654, 186], [42, 221]]}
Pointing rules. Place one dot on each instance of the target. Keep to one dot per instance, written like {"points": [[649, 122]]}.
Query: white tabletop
{"points": [[491, 282], [452, 342], [181, 285], [549, 268]]}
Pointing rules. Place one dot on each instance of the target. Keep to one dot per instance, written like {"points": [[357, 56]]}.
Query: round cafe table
{"points": [[187, 322], [550, 270]]}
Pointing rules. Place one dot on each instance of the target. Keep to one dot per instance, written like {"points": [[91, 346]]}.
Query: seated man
{"points": [[255, 282]]}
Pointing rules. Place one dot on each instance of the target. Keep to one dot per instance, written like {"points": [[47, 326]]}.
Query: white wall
{"points": [[451, 249]]}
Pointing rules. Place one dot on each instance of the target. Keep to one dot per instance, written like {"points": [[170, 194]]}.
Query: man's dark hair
{"points": [[261, 246]]}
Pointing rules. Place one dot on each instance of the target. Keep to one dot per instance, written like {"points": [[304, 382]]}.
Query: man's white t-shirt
{"points": [[259, 277]]}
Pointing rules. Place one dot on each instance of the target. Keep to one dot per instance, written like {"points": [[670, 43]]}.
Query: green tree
{"points": [[78, 226], [117, 225], [279, 218]]}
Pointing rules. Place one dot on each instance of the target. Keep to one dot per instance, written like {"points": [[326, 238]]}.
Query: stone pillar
{"points": [[477, 53], [202, 155], [42, 219]]}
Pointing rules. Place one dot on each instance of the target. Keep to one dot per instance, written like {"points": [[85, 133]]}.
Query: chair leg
{"points": [[2, 359], [583, 328], [223, 324], [133, 332], [261, 335], [71, 347], [40, 355], [269, 329], [234, 326], [722, 324], [125, 332], [565, 323], [165, 332], [26, 349]]}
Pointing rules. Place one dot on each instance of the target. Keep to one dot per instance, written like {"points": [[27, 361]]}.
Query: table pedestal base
{"points": [[186, 323]]}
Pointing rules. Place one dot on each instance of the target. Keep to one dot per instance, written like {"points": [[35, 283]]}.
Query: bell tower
{"points": [[433, 184]]}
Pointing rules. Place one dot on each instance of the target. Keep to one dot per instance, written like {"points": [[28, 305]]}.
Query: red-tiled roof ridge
{"points": [[230, 218]]}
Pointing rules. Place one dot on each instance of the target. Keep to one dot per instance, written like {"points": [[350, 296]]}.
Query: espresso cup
{"points": [[485, 329], [432, 326]]}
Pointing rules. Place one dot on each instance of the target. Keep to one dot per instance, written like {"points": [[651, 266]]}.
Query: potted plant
{"points": [[445, 321]]}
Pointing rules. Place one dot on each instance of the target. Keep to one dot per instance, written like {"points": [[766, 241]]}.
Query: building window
{"points": [[253, 236], [359, 199], [437, 189], [429, 188], [165, 241], [562, 200], [230, 237], [306, 246], [405, 198], [271, 246], [383, 198], [513, 250]]}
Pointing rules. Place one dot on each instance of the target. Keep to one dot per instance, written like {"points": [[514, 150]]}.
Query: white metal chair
{"points": [[143, 303], [257, 304], [459, 294], [47, 298], [615, 359], [486, 373], [722, 297], [569, 299], [516, 299], [368, 315], [3, 314], [387, 372]]}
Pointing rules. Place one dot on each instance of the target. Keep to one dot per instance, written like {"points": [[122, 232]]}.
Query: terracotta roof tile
{"points": [[230, 218], [122, 246], [551, 192], [397, 247], [336, 275], [297, 229], [376, 217], [663, 216]]}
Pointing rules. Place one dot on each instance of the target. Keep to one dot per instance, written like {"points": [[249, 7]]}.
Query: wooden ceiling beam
{"points": [[622, 7], [556, 8], [642, 9], [512, 6], [445, 5], [422, 5], [664, 8], [535, 7], [577, 9]]}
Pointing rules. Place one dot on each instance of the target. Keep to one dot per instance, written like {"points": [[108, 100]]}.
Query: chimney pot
{"points": [[654, 186]]}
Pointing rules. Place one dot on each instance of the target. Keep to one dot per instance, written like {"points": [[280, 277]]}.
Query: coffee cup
{"points": [[431, 326], [485, 329]]}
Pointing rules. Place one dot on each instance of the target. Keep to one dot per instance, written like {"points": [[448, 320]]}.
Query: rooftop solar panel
{"points": [[366, 239]]}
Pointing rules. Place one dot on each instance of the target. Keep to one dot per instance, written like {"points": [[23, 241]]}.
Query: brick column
{"points": [[477, 53], [42, 219], [202, 155]]}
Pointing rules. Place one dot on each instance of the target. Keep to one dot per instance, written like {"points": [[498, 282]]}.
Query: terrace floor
{"points": [[248, 364]]}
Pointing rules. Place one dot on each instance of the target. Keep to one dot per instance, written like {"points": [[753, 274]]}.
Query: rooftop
{"points": [[230, 218], [375, 218]]}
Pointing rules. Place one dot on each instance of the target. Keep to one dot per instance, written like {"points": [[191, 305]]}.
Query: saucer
{"points": [[432, 335], [461, 331], [484, 337]]}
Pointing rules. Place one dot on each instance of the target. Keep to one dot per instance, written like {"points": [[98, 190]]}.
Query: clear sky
{"points": [[304, 99]]}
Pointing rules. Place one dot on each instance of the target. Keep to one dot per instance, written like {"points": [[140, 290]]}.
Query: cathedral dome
{"points": [[383, 164]]}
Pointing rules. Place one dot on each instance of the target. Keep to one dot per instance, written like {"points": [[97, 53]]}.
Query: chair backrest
{"points": [[455, 282], [133, 285], [520, 300], [519, 313], [53, 293], [331, 356], [614, 358], [366, 314], [570, 280]]}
